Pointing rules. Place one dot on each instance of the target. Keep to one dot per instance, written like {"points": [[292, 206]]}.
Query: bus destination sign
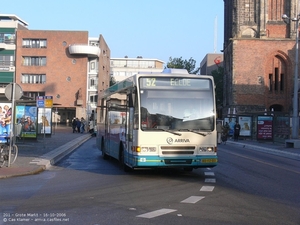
{"points": [[174, 83]]}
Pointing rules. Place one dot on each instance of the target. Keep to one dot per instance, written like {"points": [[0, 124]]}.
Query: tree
{"points": [[112, 81], [179, 63]]}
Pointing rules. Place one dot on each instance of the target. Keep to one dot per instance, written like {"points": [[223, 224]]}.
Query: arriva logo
{"points": [[169, 140], [178, 140]]}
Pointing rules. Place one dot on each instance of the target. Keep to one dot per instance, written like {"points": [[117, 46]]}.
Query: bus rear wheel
{"points": [[104, 155]]}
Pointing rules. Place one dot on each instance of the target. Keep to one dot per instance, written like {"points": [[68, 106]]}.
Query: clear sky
{"points": [[149, 28]]}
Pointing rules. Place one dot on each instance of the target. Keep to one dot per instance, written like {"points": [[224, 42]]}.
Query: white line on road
{"points": [[209, 173], [210, 180], [156, 213], [207, 188], [192, 199]]}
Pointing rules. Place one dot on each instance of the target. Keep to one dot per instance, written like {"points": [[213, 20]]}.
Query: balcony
{"points": [[81, 49]]}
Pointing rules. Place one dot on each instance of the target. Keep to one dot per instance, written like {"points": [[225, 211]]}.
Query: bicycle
{"points": [[4, 153]]}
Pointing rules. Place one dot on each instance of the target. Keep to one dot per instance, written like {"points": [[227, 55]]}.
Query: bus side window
{"points": [[136, 111]]}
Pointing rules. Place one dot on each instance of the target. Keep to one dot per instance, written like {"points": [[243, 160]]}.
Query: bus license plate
{"points": [[208, 160]]}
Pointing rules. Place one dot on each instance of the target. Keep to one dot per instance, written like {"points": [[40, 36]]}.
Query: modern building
{"points": [[259, 55], [210, 63], [67, 65], [121, 68]]}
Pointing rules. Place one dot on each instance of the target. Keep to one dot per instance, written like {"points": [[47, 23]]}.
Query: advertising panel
{"points": [[44, 120], [231, 123], [265, 127], [245, 122], [26, 121], [5, 121]]}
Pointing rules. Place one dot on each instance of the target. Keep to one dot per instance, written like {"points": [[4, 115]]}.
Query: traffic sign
{"points": [[9, 91], [44, 101]]}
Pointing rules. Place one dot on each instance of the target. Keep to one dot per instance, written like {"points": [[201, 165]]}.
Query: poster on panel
{"points": [[5, 121], [231, 123], [265, 127], [26, 121], [44, 120], [245, 123]]}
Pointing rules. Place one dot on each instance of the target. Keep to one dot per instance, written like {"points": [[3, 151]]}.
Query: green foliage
{"points": [[179, 63], [112, 81], [218, 78]]}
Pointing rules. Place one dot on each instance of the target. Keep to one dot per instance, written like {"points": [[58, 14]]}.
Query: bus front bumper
{"points": [[194, 162]]}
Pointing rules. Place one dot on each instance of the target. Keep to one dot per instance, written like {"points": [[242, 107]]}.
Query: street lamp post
{"points": [[295, 125]]}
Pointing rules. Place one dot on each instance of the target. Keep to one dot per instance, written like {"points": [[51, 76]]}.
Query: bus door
{"points": [[129, 128]]}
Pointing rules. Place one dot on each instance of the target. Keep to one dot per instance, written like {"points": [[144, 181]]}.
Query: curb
{"points": [[51, 158], [32, 172], [289, 155]]}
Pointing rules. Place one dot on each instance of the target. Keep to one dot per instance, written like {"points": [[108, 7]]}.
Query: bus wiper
{"points": [[172, 132], [196, 132]]}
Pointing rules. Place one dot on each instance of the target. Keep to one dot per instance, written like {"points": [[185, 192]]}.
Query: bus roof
{"points": [[175, 71]]}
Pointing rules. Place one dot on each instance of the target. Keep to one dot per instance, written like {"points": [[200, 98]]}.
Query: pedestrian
{"points": [[74, 125], [236, 129], [78, 125], [82, 125], [226, 129], [219, 132]]}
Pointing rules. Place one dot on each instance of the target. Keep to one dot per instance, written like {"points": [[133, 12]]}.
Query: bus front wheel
{"points": [[122, 161]]}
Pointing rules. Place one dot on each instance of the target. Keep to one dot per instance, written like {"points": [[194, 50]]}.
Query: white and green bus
{"points": [[157, 120]]}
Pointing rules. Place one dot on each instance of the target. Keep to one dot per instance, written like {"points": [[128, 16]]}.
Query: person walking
{"points": [[219, 132], [74, 125], [78, 124], [236, 128], [82, 125]]}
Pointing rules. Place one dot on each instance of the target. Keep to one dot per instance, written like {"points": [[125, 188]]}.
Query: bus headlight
{"points": [[206, 149]]}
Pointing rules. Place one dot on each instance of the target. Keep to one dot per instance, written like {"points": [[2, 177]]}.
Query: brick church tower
{"points": [[259, 55]]}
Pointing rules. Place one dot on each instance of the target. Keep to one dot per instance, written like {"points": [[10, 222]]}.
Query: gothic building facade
{"points": [[259, 55]]}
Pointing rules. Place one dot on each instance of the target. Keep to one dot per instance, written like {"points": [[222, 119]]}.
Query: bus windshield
{"points": [[189, 106]]}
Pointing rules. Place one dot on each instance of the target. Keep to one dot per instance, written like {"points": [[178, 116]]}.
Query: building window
{"points": [[270, 82], [33, 78], [34, 43], [32, 94], [6, 60], [34, 61], [93, 99], [276, 80], [281, 82], [7, 38]]}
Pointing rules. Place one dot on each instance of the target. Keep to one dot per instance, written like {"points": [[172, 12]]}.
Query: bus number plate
{"points": [[208, 160]]}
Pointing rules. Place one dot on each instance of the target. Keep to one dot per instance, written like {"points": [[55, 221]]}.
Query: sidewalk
{"points": [[268, 147], [36, 155]]}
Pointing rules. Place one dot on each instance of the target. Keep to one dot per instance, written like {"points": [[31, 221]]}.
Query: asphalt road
{"points": [[245, 188]]}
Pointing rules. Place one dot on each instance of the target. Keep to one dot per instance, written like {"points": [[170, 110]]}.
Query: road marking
{"points": [[209, 173], [156, 213], [207, 188], [193, 199], [210, 180]]}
